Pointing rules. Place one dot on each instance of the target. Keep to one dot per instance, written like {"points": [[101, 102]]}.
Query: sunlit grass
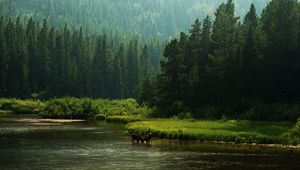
{"points": [[221, 130], [101, 109], [122, 111]]}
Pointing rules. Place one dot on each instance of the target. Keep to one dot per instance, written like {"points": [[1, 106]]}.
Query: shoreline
{"points": [[161, 133]]}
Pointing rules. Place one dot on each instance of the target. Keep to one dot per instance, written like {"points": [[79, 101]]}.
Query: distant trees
{"points": [[232, 65], [148, 18], [48, 62]]}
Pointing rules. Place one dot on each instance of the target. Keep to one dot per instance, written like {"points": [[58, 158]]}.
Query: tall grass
{"points": [[101, 109], [126, 110], [227, 130], [21, 106]]}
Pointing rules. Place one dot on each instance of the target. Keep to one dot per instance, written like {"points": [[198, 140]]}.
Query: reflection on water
{"points": [[24, 145]]}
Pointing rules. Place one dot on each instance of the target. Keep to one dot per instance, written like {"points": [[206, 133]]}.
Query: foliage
{"points": [[39, 61], [247, 70], [294, 134], [68, 108], [86, 108], [21, 106], [126, 110], [149, 18], [226, 130], [273, 112]]}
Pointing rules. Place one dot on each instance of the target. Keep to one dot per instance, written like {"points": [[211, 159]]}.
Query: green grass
{"points": [[21, 106], [136, 118], [126, 110], [123, 111], [222, 130]]}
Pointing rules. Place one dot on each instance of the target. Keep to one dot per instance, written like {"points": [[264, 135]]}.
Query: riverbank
{"points": [[133, 117], [216, 130], [121, 111]]}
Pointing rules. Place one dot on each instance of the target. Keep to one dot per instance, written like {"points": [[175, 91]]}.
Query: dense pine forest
{"points": [[149, 18], [237, 60], [225, 67], [41, 61]]}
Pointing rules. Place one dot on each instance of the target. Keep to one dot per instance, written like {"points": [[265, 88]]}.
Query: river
{"points": [[25, 144]]}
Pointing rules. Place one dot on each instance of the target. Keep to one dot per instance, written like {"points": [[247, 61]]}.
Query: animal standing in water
{"points": [[137, 138], [141, 138], [148, 138]]}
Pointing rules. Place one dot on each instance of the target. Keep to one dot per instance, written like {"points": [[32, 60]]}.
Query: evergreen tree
{"points": [[31, 32], [43, 59], [224, 38], [132, 67], [249, 70], [280, 51], [124, 72], [3, 60], [117, 78], [172, 81]]}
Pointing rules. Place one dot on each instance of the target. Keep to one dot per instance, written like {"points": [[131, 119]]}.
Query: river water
{"points": [[84, 146]]}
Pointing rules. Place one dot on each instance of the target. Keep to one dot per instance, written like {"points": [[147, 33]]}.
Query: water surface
{"points": [[84, 146]]}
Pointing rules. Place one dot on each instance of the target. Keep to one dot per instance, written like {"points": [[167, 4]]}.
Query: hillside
{"points": [[149, 18]]}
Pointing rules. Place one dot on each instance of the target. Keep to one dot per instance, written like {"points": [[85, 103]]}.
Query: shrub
{"points": [[100, 117], [73, 108], [22, 106], [273, 112], [69, 108]]}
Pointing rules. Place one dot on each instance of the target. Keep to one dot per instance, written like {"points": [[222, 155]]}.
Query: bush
{"points": [[73, 108], [22, 106], [100, 117], [69, 108], [273, 112]]}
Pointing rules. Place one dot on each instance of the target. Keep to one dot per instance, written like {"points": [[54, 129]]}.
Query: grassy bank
{"points": [[136, 118], [122, 111], [221, 130]]}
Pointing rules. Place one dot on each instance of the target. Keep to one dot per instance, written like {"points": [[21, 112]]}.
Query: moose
{"points": [[141, 138]]}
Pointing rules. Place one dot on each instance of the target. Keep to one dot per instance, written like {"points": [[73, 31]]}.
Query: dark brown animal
{"points": [[137, 138], [148, 138], [141, 138]]}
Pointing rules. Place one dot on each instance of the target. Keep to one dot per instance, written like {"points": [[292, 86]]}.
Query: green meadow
{"points": [[238, 131]]}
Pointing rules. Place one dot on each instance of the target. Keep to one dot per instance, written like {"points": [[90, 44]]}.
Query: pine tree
{"points": [[172, 81], [224, 38], [145, 65], [206, 39], [278, 23], [249, 56], [43, 59], [3, 60], [132, 67], [124, 74], [117, 78], [53, 63], [99, 67]]}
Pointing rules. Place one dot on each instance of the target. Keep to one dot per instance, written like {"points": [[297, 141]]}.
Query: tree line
{"points": [[231, 65], [37, 60], [149, 18]]}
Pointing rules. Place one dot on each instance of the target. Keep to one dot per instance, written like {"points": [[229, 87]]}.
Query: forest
{"points": [[150, 84], [39, 60], [233, 69], [236, 61], [148, 18]]}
